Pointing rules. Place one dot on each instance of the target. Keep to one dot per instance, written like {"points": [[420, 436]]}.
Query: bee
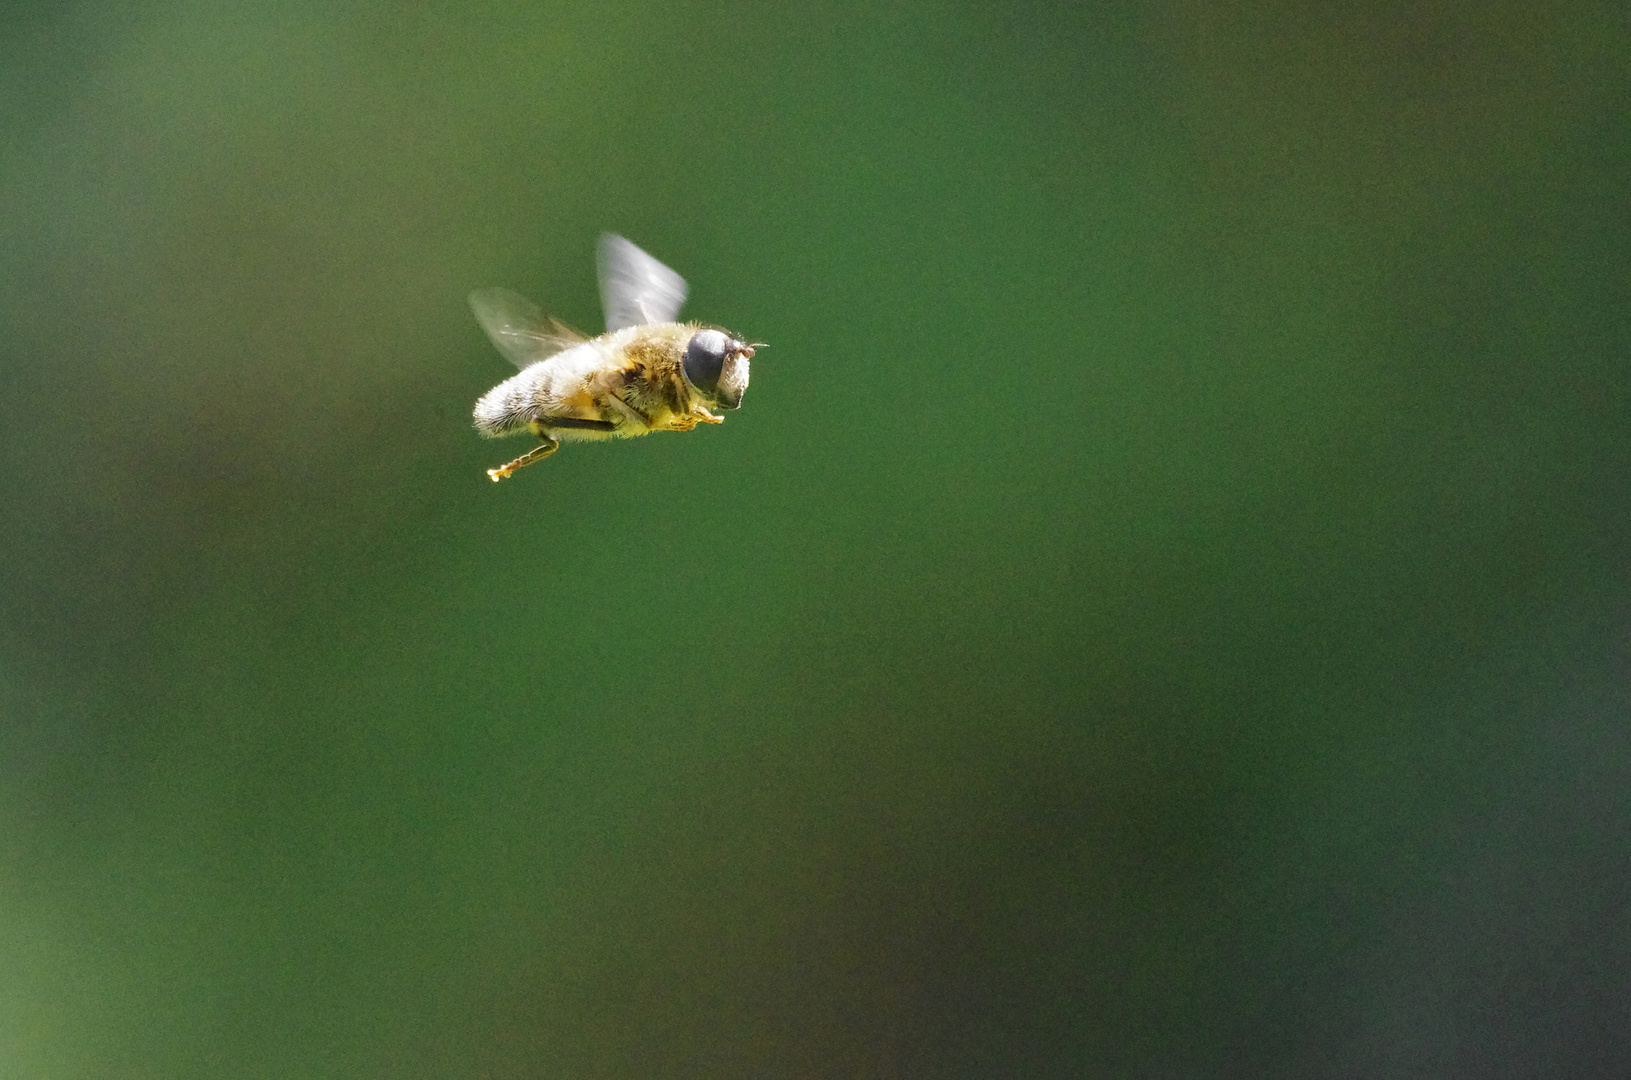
{"points": [[645, 373]]}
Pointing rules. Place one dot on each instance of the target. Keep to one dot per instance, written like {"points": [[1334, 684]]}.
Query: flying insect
{"points": [[646, 373]]}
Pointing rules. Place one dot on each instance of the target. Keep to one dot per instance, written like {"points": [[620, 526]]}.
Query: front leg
{"points": [[687, 421]]}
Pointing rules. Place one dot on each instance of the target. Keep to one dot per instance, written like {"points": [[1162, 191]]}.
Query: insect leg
{"points": [[617, 403], [582, 425], [537, 453]]}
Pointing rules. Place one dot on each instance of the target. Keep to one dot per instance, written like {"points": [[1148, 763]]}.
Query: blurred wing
{"points": [[518, 328], [635, 288]]}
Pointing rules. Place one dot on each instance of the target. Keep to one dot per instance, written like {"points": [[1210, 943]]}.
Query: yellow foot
{"points": [[709, 418], [498, 474]]}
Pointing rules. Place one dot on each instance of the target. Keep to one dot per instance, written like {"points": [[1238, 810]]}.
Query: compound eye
{"points": [[705, 357]]}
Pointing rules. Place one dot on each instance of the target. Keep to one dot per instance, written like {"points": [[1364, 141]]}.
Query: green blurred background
{"points": [[1162, 610]]}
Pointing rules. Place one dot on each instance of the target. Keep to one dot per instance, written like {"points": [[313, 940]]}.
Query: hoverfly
{"points": [[645, 373]]}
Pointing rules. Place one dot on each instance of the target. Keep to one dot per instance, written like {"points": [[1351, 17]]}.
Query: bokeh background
{"points": [[1162, 610]]}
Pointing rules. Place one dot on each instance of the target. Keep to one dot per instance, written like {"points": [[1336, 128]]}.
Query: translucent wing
{"points": [[635, 288], [518, 327]]}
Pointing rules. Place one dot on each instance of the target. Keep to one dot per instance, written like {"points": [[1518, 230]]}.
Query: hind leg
{"points": [[537, 453]]}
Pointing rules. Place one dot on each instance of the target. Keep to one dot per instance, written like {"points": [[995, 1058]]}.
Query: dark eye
{"points": [[704, 358]]}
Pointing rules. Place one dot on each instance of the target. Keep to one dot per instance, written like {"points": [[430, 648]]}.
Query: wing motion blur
{"points": [[635, 289], [519, 328]]}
